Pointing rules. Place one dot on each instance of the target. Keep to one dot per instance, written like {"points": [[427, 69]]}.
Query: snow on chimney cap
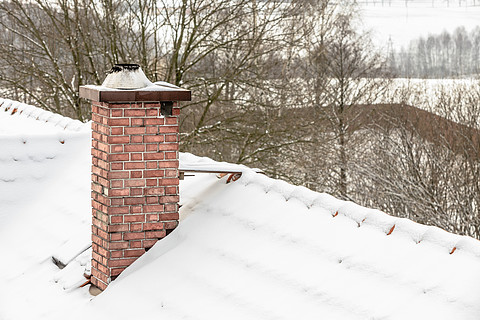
{"points": [[126, 76]]}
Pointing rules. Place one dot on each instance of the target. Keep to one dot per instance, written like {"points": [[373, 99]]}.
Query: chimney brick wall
{"points": [[135, 181]]}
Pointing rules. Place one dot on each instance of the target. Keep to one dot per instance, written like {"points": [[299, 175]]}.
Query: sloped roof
{"points": [[257, 248]]}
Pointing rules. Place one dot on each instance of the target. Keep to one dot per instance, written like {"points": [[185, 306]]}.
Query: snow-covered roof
{"points": [[257, 248]]}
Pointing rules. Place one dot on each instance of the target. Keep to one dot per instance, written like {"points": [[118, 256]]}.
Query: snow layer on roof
{"points": [[44, 202], [260, 248], [20, 118], [257, 248]]}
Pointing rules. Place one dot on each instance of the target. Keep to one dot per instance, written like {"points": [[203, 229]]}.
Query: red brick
{"points": [[118, 157], [103, 111], [135, 113], [134, 148], [152, 200], [152, 182], [153, 226], [136, 244], [133, 235], [116, 201], [171, 173], [168, 147], [117, 254], [121, 262], [171, 120], [152, 130], [168, 216], [116, 113], [170, 155], [121, 105], [155, 234], [155, 105], [149, 243], [168, 129], [103, 147], [171, 190], [136, 139], [152, 217], [170, 207], [116, 131], [134, 253], [153, 208], [116, 166], [154, 156], [134, 200], [135, 130], [102, 234], [118, 122], [116, 219], [154, 191], [136, 209], [118, 228], [152, 112], [116, 271], [169, 199], [134, 165], [134, 218], [136, 157], [135, 227], [118, 210], [118, 175], [152, 164], [171, 138], [119, 192], [137, 122], [136, 174], [170, 224], [152, 147], [168, 182], [96, 256], [134, 182], [168, 164], [136, 191], [96, 187], [153, 173], [154, 122], [118, 139], [117, 245], [115, 236], [116, 183], [150, 139]]}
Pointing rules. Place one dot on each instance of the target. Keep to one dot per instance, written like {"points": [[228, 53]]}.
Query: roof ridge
{"points": [[17, 108], [390, 225]]}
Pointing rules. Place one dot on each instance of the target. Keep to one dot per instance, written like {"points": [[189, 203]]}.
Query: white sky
{"points": [[403, 23]]}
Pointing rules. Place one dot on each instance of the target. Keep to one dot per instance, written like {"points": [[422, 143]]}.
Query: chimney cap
{"points": [[126, 82], [126, 76]]}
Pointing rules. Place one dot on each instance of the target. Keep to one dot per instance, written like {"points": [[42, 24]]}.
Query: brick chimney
{"points": [[134, 167]]}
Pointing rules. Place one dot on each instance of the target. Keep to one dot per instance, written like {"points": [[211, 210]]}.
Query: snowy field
{"points": [[404, 23]]}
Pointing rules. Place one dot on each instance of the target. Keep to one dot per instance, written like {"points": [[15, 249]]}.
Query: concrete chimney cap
{"points": [[126, 77]]}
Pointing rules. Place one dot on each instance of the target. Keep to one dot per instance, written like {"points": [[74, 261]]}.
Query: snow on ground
{"points": [[450, 98], [405, 23], [257, 248]]}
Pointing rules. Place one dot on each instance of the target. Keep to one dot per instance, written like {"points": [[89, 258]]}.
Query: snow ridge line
{"points": [[389, 225], [15, 108]]}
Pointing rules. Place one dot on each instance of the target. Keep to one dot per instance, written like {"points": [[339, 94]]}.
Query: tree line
{"points": [[445, 55], [288, 86]]}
